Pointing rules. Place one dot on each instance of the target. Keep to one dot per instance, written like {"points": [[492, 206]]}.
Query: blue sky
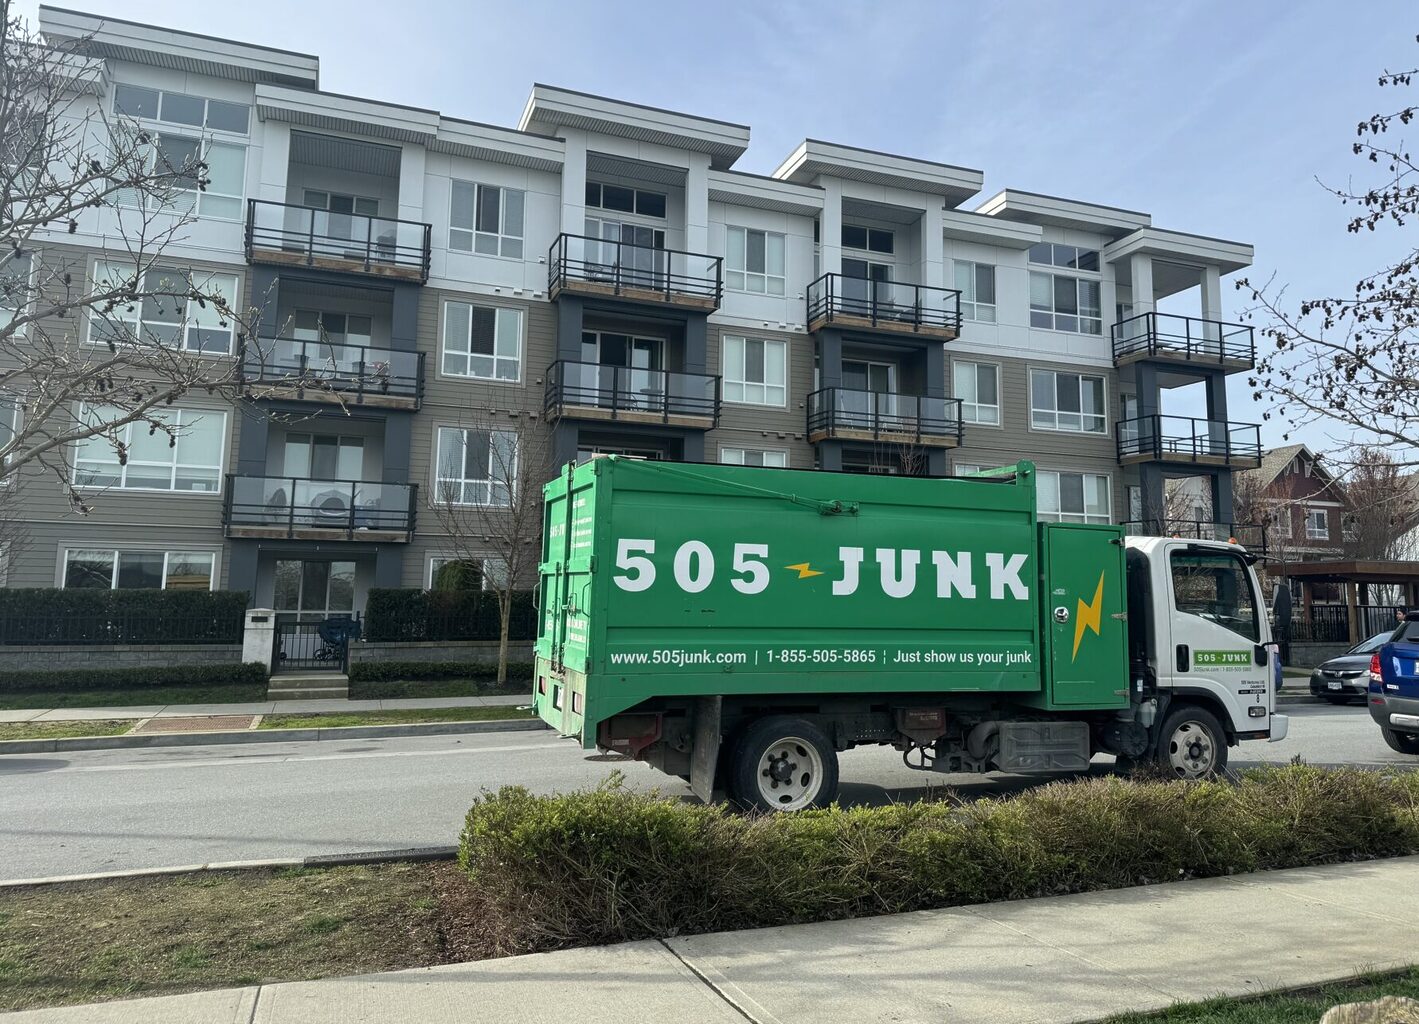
{"points": [[1215, 116]]}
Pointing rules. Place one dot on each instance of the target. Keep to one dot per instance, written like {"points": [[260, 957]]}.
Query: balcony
{"points": [[889, 307], [299, 236], [846, 414], [626, 394], [1189, 441], [597, 268], [1183, 339], [321, 371], [299, 508], [1251, 536]]}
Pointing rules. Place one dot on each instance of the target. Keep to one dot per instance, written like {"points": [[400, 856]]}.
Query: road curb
{"points": [[197, 739], [325, 860]]}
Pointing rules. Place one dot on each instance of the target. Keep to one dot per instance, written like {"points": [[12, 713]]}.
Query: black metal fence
{"points": [[626, 267], [891, 304], [1184, 337], [630, 392], [322, 646], [289, 233], [1330, 623]]}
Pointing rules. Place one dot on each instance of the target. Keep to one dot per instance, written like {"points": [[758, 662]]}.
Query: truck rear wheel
{"points": [[781, 763], [1191, 743], [1404, 742]]}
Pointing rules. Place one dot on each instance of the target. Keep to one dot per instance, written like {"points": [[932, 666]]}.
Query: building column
{"points": [[1146, 389], [1153, 499], [275, 161], [697, 205], [411, 183], [1352, 611], [398, 442], [404, 323], [934, 358], [830, 455], [564, 443], [1140, 268], [696, 344], [1211, 293], [936, 464], [830, 358], [569, 321], [933, 249], [574, 182], [253, 431], [389, 565], [1215, 384], [830, 229], [1223, 510], [241, 567], [693, 448]]}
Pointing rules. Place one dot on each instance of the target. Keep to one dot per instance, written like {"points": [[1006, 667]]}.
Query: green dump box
{"points": [[668, 580]]}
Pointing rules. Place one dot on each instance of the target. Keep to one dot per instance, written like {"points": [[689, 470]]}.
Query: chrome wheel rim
{"points": [[790, 774], [1192, 753]]}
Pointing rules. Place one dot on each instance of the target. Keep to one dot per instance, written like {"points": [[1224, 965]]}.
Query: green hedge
{"points": [[132, 678], [80, 616], [404, 614], [611, 866], [410, 671]]}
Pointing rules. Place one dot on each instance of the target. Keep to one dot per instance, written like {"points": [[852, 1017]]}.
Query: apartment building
{"points": [[600, 278]]}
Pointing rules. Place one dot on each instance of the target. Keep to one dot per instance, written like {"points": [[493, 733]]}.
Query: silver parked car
{"points": [[1347, 678]]}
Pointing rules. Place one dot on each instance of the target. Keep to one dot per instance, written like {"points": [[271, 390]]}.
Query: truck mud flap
{"points": [[1043, 747], [704, 757]]}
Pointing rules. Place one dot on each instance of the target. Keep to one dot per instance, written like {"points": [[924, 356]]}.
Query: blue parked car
{"points": [[1394, 687]]}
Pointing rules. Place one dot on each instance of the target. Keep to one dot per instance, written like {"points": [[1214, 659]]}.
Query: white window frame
{"points": [[736, 262], [966, 280], [122, 470], [468, 355], [10, 409], [739, 378], [1061, 516], [199, 202], [890, 255], [195, 315], [436, 561], [507, 244], [1281, 522], [206, 109], [117, 553], [971, 409], [1059, 321], [737, 455], [8, 314], [1056, 413], [636, 194], [1321, 533], [508, 481]]}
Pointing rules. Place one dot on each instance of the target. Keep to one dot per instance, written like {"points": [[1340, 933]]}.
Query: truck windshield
{"points": [[1215, 587]]}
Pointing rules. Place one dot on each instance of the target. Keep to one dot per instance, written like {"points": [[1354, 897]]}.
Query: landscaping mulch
{"points": [[205, 723]]}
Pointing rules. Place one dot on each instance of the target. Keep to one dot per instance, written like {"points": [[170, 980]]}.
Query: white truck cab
{"points": [[1199, 637]]}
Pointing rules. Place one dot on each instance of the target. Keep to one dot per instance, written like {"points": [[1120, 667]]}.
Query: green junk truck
{"points": [[741, 627]]}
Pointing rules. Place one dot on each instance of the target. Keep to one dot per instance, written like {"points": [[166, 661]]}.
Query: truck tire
{"points": [[1404, 742], [782, 763], [1191, 743]]}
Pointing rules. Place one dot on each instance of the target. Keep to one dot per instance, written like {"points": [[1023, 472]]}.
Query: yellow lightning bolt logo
{"points": [[1089, 616], [804, 570]]}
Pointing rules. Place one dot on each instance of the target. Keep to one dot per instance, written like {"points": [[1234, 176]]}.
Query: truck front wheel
{"points": [[1191, 743], [781, 763]]}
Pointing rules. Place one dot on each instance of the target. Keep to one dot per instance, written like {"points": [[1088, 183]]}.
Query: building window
{"points": [[9, 426], [1317, 524], [773, 458], [178, 159], [87, 568], [624, 199], [476, 467], [170, 316], [977, 385], [1280, 519], [754, 261], [311, 589], [482, 342], [1067, 401], [755, 371], [181, 108], [486, 219], [189, 459], [868, 239], [1070, 257], [14, 287], [968, 468], [1073, 497], [1061, 302], [976, 283], [449, 572], [1349, 523]]}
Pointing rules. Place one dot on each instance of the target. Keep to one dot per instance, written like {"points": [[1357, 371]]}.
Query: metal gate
{"points": [[322, 646]]}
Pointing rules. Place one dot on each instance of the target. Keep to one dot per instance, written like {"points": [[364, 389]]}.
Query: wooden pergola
{"points": [[1355, 577]]}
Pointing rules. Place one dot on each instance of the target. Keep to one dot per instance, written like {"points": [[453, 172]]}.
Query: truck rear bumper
{"points": [[1280, 726], [1395, 712]]}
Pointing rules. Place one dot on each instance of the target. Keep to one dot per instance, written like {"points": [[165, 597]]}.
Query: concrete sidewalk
{"points": [[265, 707], [1066, 958]]}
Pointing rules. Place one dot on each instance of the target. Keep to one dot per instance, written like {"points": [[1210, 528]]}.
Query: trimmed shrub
{"points": [[611, 865], [410, 671], [407, 614], [81, 616], [133, 678]]}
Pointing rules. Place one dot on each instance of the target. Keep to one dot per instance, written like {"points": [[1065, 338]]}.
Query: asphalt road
{"points": [[113, 810]]}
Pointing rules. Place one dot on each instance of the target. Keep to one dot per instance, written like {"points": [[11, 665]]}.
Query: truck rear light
{"points": [[1375, 667], [576, 702], [542, 685]]}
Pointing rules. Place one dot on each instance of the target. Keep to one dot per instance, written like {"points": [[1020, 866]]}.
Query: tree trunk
{"points": [[504, 615]]}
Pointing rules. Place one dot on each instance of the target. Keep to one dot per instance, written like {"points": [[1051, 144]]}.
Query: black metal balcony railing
{"points": [[1251, 536], [1191, 338], [355, 373], [836, 412], [893, 305], [1186, 439], [290, 234], [296, 506], [580, 262], [631, 393]]}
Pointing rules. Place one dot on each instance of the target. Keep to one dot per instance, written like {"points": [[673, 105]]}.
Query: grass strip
{"points": [[233, 693], [395, 716], [1305, 1006], [57, 730]]}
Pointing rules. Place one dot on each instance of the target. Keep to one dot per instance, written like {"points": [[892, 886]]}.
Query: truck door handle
{"points": [[1183, 661]]}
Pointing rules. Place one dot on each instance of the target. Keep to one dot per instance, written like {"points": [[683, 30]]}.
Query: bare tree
{"points": [[1382, 508], [1353, 360], [488, 504], [99, 359]]}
